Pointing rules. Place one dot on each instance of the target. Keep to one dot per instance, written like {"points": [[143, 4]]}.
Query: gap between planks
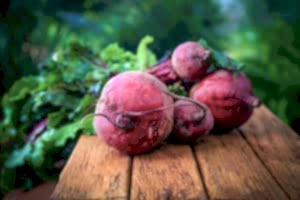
{"points": [[130, 178], [232, 171], [200, 171], [247, 141], [169, 172], [275, 146], [278, 146]]}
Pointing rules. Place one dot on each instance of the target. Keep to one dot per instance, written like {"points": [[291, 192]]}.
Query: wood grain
{"points": [[277, 146], [168, 173], [232, 171], [94, 171]]}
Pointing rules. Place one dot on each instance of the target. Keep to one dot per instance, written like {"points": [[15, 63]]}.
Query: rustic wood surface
{"points": [[168, 173], [94, 171], [232, 171], [278, 147], [260, 160]]}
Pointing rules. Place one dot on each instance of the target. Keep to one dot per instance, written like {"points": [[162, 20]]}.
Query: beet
{"points": [[133, 114], [229, 97], [189, 62], [190, 122]]}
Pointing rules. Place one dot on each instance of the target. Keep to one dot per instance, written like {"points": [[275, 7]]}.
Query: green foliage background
{"points": [[261, 33]]}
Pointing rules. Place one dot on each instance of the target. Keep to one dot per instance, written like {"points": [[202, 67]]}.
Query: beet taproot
{"points": [[133, 114], [189, 62], [190, 122], [229, 96]]}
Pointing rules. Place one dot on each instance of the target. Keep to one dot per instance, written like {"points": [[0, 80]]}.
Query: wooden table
{"points": [[260, 160]]}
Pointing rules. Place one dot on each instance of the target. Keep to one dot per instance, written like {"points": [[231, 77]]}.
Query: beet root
{"points": [[190, 61], [133, 114], [164, 72], [229, 97], [189, 121]]}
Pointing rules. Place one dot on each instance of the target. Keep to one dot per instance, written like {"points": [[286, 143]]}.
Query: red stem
{"points": [[164, 71]]}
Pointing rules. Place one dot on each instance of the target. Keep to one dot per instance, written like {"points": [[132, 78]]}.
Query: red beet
{"points": [[189, 62], [164, 72], [133, 114], [190, 122], [229, 97]]}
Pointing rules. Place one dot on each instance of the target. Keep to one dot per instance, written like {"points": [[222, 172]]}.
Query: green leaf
{"points": [[9, 110], [18, 157], [220, 60], [47, 80], [37, 157], [86, 106], [26, 111], [76, 71], [56, 98], [203, 43], [145, 57], [7, 179], [98, 74], [55, 118], [118, 59], [22, 88], [112, 52], [178, 89], [57, 138], [87, 127], [69, 131]]}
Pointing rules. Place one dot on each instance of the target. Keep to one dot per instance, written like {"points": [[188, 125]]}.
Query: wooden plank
{"points": [[168, 173], [94, 171], [277, 146], [232, 171]]}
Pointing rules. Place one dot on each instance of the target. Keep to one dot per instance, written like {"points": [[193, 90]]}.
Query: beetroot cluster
{"points": [[136, 112]]}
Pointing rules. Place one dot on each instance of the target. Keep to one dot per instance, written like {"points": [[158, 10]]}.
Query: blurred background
{"points": [[261, 33], [264, 34]]}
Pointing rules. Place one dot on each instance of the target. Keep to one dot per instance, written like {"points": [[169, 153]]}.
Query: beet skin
{"points": [[190, 61], [229, 97], [127, 101], [189, 122]]}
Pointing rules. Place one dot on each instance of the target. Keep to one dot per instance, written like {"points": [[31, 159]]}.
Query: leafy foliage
{"points": [[178, 89], [220, 60], [44, 113]]}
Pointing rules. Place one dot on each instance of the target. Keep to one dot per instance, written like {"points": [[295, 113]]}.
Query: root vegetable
{"points": [[229, 97], [189, 62], [133, 114], [189, 122]]}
